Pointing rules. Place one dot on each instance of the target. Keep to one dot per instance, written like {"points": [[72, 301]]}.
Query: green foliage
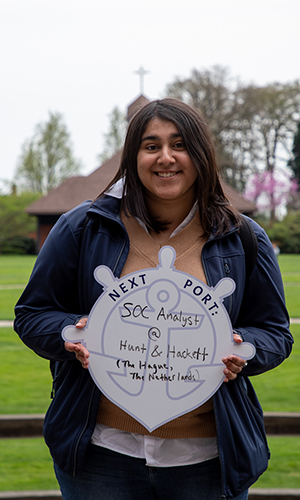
{"points": [[286, 233], [19, 245], [248, 122], [295, 161], [47, 158], [14, 221]]}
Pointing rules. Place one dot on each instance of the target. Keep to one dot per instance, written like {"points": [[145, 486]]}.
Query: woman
{"points": [[167, 191]]}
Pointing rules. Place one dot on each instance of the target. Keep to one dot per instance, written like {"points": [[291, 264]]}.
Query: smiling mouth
{"points": [[166, 174]]}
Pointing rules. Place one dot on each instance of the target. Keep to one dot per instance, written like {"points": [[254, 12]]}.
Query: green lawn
{"points": [[279, 389], [289, 263], [15, 269], [14, 274], [284, 466], [290, 270], [26, 385], [27, 388], [26, 465], [25, 377], [8, 299]]}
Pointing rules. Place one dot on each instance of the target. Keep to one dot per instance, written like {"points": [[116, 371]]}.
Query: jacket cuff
{"points": [[245, 335]]}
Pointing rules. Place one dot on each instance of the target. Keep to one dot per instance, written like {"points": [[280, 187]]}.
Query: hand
{"points": [[234, 364], [81, 353]]}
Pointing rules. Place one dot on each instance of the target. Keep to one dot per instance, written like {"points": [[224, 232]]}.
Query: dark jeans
{"points": [[112, 476]]}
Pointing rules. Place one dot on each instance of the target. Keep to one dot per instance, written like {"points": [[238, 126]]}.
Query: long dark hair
{"points": [[216, 213]]}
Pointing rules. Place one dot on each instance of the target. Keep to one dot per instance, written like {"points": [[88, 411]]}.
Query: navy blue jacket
{"points": [[62, 289]]}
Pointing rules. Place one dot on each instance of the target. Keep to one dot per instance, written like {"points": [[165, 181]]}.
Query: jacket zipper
{"points": [[227, 272], [227, 275], [83, 430]]}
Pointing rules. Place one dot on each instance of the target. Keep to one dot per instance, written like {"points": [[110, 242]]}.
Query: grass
{"points": [[15, 269], [278, 389], [14, 274], [25, 377], [26, 465], [290, 270], [27, 388], [289, 263], [26, 384], [284, 469], [8, 299]]}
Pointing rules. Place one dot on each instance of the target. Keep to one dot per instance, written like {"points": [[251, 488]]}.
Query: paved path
{"points": [[6, 323], [9, 323]]}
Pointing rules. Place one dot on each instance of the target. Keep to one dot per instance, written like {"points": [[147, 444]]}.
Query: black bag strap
{"points": [[249, 242]]}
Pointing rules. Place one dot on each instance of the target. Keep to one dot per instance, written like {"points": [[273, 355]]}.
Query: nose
{"points": [[166, 156]]}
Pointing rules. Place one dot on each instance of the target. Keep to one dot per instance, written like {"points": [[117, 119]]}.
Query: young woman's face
{"points": [[163, 164]]}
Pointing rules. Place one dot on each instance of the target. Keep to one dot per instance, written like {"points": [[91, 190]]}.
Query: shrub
{"points": [[286, 233], [19, 245]]}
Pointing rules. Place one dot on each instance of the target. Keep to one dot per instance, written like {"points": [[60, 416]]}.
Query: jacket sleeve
{"points": [[263, 318], [50, 300]]}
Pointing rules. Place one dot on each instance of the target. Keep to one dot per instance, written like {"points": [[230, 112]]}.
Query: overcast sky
{"points": [[79, 57]]}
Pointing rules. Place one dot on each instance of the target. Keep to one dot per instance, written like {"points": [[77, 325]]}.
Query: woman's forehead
{"points": [[159, 125]]}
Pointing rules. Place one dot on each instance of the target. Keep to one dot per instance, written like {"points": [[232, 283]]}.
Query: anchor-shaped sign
{"points": [[156, 339]]}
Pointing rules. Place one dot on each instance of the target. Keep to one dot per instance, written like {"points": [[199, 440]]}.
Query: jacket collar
{"points": [[107, 206]]}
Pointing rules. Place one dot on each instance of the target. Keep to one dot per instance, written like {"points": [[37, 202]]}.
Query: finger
{"points": [[237, 338], [83, 360], [81, 353], [234, 362], [71, 347], [81, 323], [229, 375], [234, 366]]}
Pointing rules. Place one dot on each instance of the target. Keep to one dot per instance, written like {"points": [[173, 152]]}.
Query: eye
{"points": [[179, 145], [151, 147]]}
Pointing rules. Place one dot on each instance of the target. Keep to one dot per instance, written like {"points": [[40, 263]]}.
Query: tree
{"points": [[286, 233], [47, 158], [114, 138], [271, 191], [253, 126], [274, 111], [213, 93], [294, 162], [14, 221]]}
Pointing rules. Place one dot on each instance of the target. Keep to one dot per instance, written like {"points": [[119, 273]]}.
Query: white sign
{"points": [[156, 339]]}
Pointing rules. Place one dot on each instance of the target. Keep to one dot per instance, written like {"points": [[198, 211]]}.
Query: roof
{"points": [[75, 190], [237, 200], [136, 105]]}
